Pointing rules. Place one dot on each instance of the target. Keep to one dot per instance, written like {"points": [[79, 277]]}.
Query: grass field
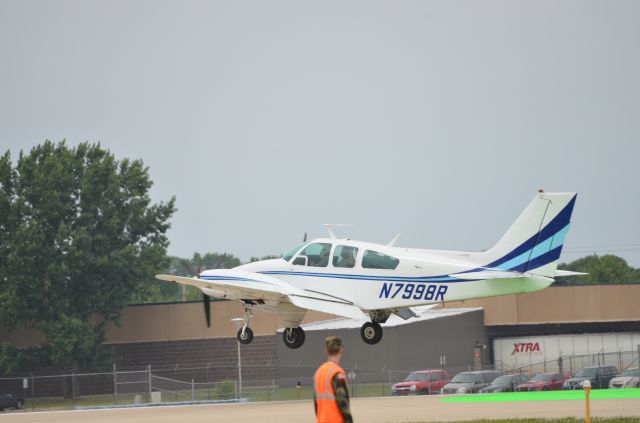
{"points": [[596, 394], [288, 393]]}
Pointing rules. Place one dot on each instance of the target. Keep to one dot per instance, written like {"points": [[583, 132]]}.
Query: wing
{"points": [[239, 285]]}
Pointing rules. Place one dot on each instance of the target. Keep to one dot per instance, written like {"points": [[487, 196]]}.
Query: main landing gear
{"points": [[293, 337], [371, 332]]}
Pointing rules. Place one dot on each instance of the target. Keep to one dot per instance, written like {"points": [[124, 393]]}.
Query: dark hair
{"points": [[332, 345]]}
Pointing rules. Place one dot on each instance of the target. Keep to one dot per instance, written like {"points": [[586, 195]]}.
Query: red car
{"points": [[543, 382], [421, 382]]}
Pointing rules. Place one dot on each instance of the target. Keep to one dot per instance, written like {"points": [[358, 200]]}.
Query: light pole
{"points": [[239, 322]]}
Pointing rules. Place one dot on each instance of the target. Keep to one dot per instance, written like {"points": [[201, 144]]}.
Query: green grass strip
{"points": [[596, 394], [557, 420]]}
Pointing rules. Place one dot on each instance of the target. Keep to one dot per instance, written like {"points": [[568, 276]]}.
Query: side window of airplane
{"points": [[316, 255], [344, 256], [376, 260]]}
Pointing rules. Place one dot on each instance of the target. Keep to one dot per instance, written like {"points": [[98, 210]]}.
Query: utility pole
{"points": [[239, 322]]}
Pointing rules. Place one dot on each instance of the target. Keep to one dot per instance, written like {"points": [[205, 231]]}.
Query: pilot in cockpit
{"points": [[346, 258]]}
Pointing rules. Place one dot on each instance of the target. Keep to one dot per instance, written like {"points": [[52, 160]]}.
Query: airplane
{"points": [[369, 282]]}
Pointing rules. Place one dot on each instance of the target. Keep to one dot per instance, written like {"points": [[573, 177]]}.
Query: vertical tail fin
{"points": [[534, 242]]}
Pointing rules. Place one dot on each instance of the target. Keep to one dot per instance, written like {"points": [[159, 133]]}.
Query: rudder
{"points": [[534, 242]]}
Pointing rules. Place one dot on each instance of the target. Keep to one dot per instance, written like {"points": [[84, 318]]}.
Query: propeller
{"points": [[206, 301]]}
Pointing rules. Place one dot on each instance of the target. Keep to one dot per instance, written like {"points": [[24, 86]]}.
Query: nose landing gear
{"points": [[245, 334]]}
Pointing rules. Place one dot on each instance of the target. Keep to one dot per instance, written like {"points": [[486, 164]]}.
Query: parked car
{"points": [[543, 382], [630, 378], [599, 376], [422, 382], [505, 383], [10, 401], [470, 382]]}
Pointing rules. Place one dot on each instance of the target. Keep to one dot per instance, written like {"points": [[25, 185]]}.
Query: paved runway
{"points": [[388, 409]]}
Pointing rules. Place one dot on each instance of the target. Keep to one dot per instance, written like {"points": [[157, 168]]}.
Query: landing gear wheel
{"points": [[293, 337], [246, 337], [371, 332]]}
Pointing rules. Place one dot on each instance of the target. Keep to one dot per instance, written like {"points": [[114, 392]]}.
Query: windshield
{"points": [[586, 373], [502, 380], [416, 376], [293, 251], [464, 378], [631, 372], [544, 377]]}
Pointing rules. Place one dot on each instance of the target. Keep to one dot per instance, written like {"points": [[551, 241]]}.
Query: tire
{"points": [[293, 337], [248, 336], [371, 333]]}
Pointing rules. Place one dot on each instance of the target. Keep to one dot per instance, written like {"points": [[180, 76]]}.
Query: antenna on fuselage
{"points": [[330, 227], [393, 241]]}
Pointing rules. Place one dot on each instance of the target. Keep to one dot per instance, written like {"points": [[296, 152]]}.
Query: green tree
{"points": [[78, 237], [601, 269], [268, 257]]}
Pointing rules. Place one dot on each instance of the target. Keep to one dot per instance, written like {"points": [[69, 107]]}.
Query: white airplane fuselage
{"points": [[422, 277]]}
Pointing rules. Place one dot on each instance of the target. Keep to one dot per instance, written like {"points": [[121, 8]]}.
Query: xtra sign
{"points": [[526, 348]]}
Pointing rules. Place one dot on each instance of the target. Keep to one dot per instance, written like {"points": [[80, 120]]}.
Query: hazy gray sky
{"points": [[437, 119]]}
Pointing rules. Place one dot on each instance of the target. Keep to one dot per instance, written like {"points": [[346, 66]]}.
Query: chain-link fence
{"points": [[124, 387], [184, 384], [570, 364]]}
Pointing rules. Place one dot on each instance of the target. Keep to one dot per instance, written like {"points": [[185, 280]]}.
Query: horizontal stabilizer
{"points": [[561, 273], [489, 274]]}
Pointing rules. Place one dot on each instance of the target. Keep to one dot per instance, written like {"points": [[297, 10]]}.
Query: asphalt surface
{"points": [[387, 409]]}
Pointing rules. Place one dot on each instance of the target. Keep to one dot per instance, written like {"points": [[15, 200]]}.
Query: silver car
{"points": [[630, 378]]}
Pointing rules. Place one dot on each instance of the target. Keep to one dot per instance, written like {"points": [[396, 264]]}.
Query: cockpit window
{"points": [[344, 256], [293, 251], [317, 255], [376, 260]]}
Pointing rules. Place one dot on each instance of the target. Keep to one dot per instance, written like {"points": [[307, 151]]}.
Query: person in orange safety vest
{"points": [[330, 393]]}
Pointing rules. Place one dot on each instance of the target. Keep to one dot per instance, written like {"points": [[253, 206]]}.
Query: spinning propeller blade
{"points": [[206, 300]]}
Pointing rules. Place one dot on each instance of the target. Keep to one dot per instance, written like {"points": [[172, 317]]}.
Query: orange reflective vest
{"points": [[327, 409]]}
